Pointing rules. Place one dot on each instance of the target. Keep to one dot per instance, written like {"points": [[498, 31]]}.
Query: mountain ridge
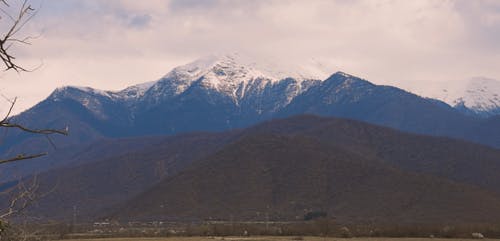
{"points": [[163, 107]]}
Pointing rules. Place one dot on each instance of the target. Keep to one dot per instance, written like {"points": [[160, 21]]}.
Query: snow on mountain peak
{"points": [[221, 66], [236, 65], [134, 91], [67, 91], [231, 75], [480, 95], [131, 92], [343, 74]]}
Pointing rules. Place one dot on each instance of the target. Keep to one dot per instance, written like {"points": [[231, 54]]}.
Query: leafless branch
{"points": [[5, 122], [25, 191], [35, 131], [23, 195], [22, 157], [19, 198], [5, 2], [23, 16]]}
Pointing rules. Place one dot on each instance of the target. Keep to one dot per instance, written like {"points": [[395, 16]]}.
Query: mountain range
{"points": [[223, 92], [282, 169], [221, 137]]}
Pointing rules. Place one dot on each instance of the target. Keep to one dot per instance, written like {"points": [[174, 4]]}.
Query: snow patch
{"points": [[133, 92]]}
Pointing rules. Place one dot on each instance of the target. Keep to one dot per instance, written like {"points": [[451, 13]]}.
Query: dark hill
{"points": [[93, 185], [349, 168], [286, 177], [449, 158]]}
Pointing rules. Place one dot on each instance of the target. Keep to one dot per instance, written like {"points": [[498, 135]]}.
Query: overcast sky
{"points": [[110, 44]]}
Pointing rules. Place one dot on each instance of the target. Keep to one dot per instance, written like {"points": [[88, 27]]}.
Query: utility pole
{"points": [[232, 225], [267, 222], [74, 219]]}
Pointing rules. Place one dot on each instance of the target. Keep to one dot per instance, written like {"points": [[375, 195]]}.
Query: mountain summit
{"points": [[227, 75], [481, 96], [230, 75]]}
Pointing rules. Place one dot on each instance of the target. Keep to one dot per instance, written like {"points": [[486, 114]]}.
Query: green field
{"points": [[266, 239]]}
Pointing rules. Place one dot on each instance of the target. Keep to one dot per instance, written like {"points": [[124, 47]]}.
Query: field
{"points": [[267, 239]]}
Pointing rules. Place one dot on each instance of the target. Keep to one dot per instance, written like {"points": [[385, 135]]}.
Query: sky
{"points": [[116, 43]]}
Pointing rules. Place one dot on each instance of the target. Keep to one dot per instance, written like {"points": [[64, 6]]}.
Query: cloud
{"points": [[140, 21], [111, 44], [187, 5], [482, 19]]}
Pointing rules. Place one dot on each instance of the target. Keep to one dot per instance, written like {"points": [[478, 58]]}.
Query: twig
{"points": [[22, 157], [35, 131], [25, 14], [22, 199], [6, 123]]}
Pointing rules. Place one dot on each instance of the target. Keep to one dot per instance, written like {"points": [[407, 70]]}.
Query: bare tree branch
{"points": [[35, 131], [22, 197], [22, 157], [25, 191], [7, 124], [12, 103], [23, 16]]}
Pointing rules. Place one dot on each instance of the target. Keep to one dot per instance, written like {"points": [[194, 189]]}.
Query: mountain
{"points": [[227, 92], [284, 168], [481, 97], [215, 94], [347, 96], [477, 96]]}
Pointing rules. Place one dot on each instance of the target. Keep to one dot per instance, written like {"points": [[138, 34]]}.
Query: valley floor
{"points": [[267, 238]]}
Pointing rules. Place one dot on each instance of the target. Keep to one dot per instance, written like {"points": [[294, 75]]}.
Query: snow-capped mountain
{"points": [[229, 75], [225, 92], [476, 96], [481, 96], [129, 94]]}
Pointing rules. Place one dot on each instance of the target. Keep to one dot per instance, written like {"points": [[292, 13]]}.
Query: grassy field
{"points": [[265, 239]]}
